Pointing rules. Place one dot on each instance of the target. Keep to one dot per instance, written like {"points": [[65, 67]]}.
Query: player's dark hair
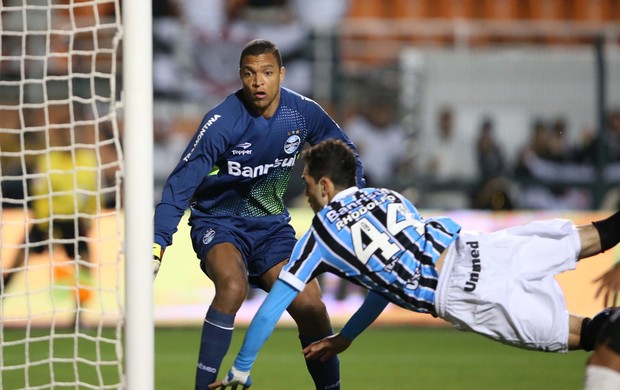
{"points": [[260, 46], [332, 158]]}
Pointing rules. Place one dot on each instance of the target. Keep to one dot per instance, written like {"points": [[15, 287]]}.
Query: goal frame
{"points": [[138, 193]]}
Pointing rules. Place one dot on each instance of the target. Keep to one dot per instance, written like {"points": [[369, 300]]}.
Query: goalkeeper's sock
{"points": [[326, 375], [216, 335], [609, 231]]}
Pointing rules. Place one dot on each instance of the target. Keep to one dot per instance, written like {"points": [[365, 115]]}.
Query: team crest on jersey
{"points": [[208, 236], [292, 144]]}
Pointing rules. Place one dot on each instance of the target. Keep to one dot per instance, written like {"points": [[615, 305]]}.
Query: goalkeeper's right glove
{"points": [[236, 377], [158, 255]]}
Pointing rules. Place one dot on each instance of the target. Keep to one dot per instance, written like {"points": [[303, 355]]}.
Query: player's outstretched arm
{"points": [[364, 316], [609, 285], [326, 348]]}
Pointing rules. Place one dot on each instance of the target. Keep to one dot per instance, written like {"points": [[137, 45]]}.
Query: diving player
{"points": [[500, 285]]}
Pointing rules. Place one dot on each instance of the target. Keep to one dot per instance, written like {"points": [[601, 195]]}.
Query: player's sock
{"points": [[590, 328], [609, 231], [601, 378], [326, 375], [216, 335]]}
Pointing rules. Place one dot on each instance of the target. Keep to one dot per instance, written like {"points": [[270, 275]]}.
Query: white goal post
{"points": [[76, 208], [137, 73]]}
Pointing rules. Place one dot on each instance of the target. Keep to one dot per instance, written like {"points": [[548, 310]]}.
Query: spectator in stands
{"points": [[167, 33], [610, 142], [560, 148], [219, 30], [211, 50], [381, 140], [492, 191], [546, 176], [276, 21], [168, 145], [448, 163], [613, 139]]}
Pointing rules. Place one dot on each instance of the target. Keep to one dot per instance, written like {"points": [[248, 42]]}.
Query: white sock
{"points": [[601, 378]]}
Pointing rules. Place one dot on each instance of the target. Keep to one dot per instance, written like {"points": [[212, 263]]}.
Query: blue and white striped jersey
{"points": [[375, 238], [239, 164]]}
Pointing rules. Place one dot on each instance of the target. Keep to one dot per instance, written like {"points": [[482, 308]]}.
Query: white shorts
{"points": [[502, 284]]}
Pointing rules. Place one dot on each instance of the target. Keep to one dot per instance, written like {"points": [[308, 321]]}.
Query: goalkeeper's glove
{"points": [[158, 255], [236, 377]]}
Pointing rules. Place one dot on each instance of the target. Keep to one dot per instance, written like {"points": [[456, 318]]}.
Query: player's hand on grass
{"points": [[158, 255], [233, 379], [326, 348], [609, 285]]}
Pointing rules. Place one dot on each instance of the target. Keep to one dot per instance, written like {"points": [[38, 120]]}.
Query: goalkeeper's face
{"points": [[261, 77]]}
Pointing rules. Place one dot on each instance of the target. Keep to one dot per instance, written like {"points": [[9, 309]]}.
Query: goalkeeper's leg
{"points": [[225, 266], [310, 314]]}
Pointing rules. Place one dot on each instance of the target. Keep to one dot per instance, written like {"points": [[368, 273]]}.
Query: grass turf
{"points": [[381, 358], [384, 358]]}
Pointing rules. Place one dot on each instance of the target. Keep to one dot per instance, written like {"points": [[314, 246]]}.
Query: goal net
{"points": [[61, 309]]}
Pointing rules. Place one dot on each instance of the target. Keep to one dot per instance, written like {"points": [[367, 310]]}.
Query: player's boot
{"points": [[590, 328]]}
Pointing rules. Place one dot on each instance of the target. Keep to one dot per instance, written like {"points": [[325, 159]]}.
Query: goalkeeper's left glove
{"points": [[158, 255], [236, 377]]}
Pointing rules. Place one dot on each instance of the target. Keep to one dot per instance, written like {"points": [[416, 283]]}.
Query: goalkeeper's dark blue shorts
{"points": [[262, 241]]}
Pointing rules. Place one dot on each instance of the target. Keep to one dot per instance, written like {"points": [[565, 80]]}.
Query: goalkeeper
{"points": [[233, 175], [501, 285]]}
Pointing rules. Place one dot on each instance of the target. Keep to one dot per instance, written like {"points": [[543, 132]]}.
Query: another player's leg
{"points": [[224, 265], [310, 315], [603, 367], [76, 275], [585, 331]]}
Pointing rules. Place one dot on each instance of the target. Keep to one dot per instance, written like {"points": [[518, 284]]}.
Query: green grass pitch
{"points": [[384, 358], [381, 358]]}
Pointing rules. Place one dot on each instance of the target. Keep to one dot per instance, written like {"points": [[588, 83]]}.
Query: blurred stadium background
{"points": [[492, 111], [485, 105]]}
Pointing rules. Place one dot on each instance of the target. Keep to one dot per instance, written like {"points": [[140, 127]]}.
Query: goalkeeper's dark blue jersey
{"points": [[375, 238], [240, 164]]}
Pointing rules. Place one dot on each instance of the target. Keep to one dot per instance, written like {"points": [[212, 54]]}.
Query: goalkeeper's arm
{"points": [[158, 255]]}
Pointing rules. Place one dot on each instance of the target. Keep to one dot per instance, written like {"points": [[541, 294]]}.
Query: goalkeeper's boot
{"points": [[590, 328]]}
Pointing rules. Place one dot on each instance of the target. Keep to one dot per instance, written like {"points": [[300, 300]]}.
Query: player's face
{"points": [[261, 78], [314, 192]]}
